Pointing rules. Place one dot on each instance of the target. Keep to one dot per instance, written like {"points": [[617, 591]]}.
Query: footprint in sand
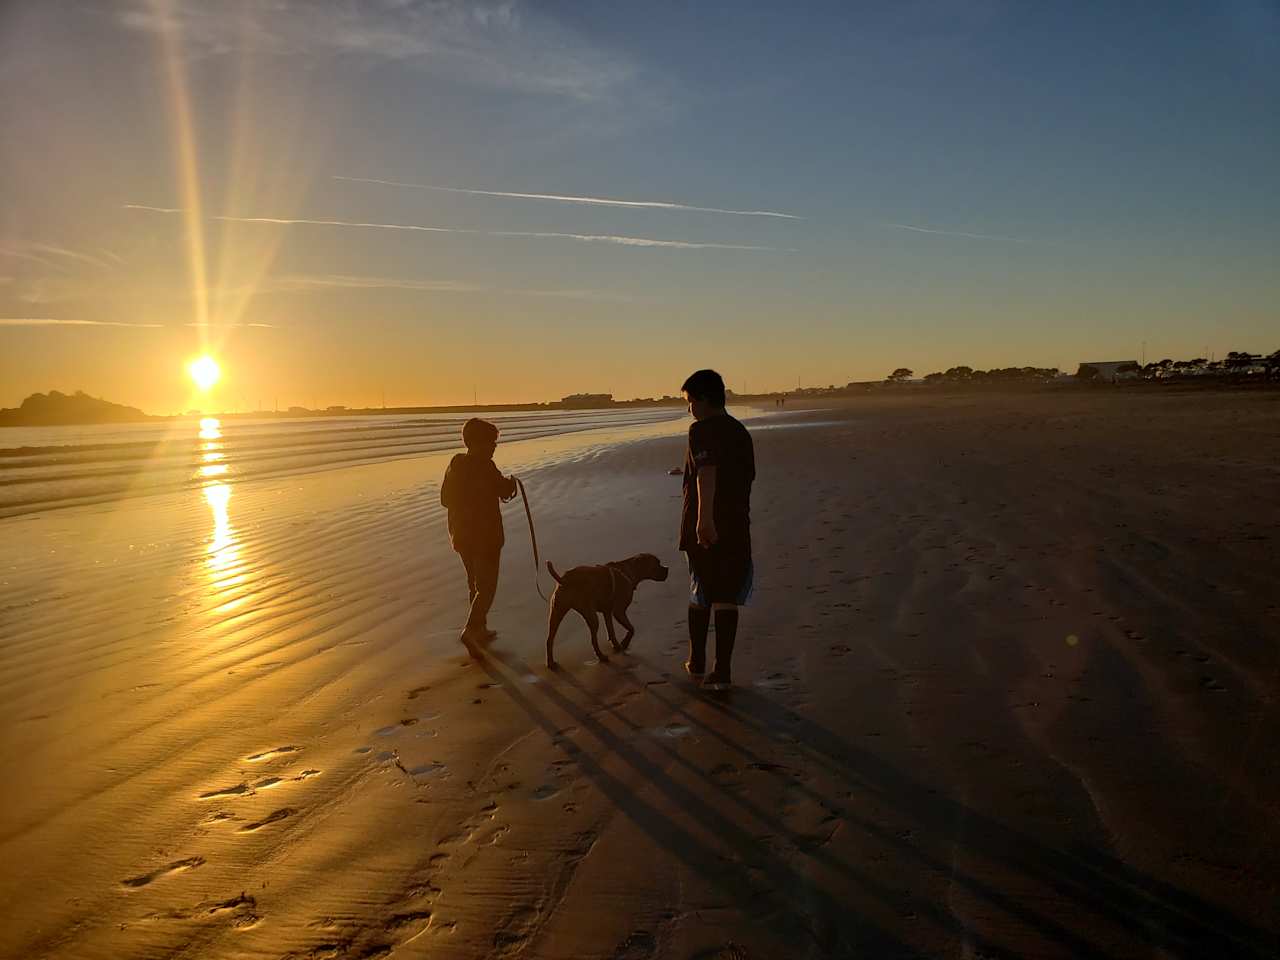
{"points": [[545, 792], [399, 921], [671, 731], [190, 863], [640, 945], [275, 816], [268, 754], [239, 790], [516, 931], [427, 769], [775, 681]]}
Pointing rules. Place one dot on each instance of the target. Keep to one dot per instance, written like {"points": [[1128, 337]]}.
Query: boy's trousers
{"points": [[481, 564]]}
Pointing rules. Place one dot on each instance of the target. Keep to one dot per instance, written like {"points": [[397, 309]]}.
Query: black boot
{"points": [[699, 622], [726, 633]]}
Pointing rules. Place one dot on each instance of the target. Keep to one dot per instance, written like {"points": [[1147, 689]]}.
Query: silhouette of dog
{"points": [[598, 590]]}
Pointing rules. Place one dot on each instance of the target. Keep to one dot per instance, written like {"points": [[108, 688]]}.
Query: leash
{"points": [[533, 537]]}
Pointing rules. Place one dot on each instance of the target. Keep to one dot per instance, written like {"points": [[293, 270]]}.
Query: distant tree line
{"points": [[963, 374], [1237, 363], [1234, 364]]}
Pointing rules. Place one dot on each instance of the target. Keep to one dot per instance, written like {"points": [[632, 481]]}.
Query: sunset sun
{"points": [[205, 372]]}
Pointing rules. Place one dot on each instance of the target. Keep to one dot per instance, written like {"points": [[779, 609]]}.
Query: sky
{"points": [[430, 202]]}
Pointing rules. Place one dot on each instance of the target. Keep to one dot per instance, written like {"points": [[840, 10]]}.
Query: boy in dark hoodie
{"points": [[471, 490]]}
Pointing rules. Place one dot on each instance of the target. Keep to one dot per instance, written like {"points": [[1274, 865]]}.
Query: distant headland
{"points": [[55, 409]]}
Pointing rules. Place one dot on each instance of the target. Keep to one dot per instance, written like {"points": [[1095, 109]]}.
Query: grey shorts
{"points": [[719, 574]]}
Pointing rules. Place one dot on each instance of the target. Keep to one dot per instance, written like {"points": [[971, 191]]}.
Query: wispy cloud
{"points": [[562, 198], [489, 44], [54, 255], [58, 251], [343, 281], [529, 234], [143, 206], [296, 282], [956, 233], [52, 322]]}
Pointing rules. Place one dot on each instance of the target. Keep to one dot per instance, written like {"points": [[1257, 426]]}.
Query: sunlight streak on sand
{"points": [[222, 550]]}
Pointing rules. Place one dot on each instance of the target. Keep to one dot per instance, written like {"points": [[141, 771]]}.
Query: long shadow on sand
{"points": [[1113, 901], [1100, 889], [798, 911]]}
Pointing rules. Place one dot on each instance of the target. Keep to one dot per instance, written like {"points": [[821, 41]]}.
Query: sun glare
{"points": [[205, 372]]}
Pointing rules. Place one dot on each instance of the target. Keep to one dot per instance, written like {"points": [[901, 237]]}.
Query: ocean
{"points": [[43, 468]]}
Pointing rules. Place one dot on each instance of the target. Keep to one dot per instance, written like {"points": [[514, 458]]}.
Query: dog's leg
{"points": [[553, 624], [608, 625], [593, 622], [631, 631]]}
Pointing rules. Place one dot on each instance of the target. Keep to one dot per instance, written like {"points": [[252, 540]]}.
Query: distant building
{"points": [[587, 400], [1109, 371]]}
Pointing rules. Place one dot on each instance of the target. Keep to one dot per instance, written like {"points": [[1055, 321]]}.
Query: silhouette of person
{"points": [[715, 525], [471, 491]]}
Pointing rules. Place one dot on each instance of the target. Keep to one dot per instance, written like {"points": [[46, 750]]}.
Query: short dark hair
{"points": [[705, 385], [476, 432]]}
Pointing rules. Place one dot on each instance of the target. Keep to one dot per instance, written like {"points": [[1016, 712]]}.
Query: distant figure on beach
{"points": [[715, 525], [471, 490]]}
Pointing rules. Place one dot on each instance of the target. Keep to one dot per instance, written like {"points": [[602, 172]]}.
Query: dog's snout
{"points": [[662, 573]]}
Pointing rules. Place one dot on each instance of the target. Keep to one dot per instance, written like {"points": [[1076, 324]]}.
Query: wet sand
{"points": [[1007, 689]]}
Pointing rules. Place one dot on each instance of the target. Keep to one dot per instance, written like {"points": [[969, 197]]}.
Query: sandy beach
{"points": [[1007, 688]]}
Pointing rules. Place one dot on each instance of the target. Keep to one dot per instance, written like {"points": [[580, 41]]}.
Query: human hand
{"points": [[706, 532]]}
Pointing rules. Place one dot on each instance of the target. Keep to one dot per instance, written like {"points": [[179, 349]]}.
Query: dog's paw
{"points": [[552, 665]]}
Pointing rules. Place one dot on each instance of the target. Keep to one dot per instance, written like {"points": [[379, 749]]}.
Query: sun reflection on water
{"points": [[222, 550], [210, 428]]}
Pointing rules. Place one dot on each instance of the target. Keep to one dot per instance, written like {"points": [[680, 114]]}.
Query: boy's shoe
{"points": [[697, 676], [717, 682]]}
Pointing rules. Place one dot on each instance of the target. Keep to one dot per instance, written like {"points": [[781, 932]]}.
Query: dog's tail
{"points": [[552, 570]]}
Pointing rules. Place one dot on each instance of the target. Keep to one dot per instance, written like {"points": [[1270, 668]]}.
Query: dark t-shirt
{"points": [[470, 492], [722, 442]]}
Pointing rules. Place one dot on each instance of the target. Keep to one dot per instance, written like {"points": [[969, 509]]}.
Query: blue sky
{"points": [[972, 182]]}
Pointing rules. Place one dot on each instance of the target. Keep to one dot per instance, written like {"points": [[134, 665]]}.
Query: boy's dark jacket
{"points": [[470, 492]]}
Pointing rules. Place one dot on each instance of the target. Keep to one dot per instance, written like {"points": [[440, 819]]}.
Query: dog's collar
{"points": [[618, 571]]}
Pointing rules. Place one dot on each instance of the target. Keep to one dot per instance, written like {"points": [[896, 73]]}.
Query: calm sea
{"points": [[47, 467]]}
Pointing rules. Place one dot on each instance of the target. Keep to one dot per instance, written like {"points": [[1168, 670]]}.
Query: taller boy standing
{"points": [[715, 525], [471, 490]]}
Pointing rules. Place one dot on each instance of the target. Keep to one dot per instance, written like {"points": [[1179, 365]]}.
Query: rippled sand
{"points": [[1007, 689]]}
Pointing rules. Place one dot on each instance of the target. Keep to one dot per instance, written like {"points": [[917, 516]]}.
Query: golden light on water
{"points": [[204, 371], [210, 429], [222, 550]]}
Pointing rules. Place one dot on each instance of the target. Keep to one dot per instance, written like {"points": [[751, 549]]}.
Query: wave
{"points": [[67, 466]]}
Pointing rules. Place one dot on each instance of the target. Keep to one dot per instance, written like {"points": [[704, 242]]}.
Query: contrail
{"points": [[635, 241], [51, 322], [956, 233], [597, 201], [580, 237]]}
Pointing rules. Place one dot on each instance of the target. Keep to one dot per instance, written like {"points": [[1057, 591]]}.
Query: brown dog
{"points": [[595, 590]]}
